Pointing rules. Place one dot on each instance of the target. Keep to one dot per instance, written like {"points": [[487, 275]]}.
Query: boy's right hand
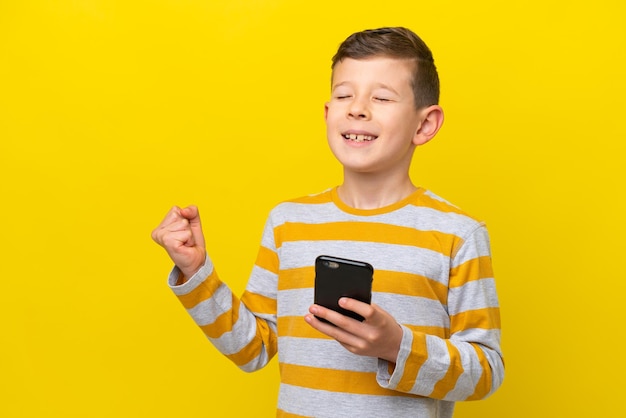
{"points": [[180, 233]]}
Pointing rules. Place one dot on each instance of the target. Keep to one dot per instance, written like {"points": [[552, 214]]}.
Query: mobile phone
{"points": [[338, 277]]}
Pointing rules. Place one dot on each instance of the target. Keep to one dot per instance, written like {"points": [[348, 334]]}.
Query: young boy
{"points": [[432, 333]]}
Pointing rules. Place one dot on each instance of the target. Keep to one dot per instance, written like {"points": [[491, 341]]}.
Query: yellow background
{"points": [[113, 111]]}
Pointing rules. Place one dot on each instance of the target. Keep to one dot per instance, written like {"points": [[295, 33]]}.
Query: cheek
{"points": [[332, 122], [329, 112], [334, 146]]}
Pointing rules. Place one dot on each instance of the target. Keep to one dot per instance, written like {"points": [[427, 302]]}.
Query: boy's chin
{"points": [[360, 168]]}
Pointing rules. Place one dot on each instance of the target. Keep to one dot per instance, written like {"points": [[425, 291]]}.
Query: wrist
{"points": [[187, 273], [394, 348], [190, 270]]}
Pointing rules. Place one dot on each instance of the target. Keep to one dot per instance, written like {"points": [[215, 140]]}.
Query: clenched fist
{"points": [[180, 233]]}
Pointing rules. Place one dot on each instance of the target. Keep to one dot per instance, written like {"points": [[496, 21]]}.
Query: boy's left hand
{"points": [[379, 335]]}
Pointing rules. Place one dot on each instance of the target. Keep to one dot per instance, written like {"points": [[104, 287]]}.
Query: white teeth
{"points": [[359, 137]]}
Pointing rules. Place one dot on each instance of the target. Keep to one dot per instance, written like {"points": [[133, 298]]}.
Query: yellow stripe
{"points": [[448, 382], [384, 281], [487, 318], [296, 278], [247, 354], [259, 304], [399, 283], [474, 269], [359, 383], [484, 383], [267, 259], [201, 293], [412, 368], [224, 323], [365, 232], [431, 203], [253, 349], [296, 326]]}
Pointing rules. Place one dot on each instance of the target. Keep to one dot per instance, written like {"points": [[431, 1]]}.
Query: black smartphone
{"points": [[338, 277]]}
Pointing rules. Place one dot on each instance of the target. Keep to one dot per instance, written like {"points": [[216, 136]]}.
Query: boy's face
{"points": [[371, 119]]}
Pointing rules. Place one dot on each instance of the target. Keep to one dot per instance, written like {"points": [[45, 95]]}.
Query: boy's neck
{"points": [[365, 192]]}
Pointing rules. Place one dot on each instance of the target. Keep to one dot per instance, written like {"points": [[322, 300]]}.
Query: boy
{"points": [[432, 333]]}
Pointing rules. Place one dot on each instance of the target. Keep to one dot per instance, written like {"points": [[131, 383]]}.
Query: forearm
{"points": [[228, 323], [451, 369]]}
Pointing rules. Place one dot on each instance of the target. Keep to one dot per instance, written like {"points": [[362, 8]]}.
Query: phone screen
{"points": [[338, 277]]}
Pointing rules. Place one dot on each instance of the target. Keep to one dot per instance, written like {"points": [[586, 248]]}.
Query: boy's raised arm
{"points": [[240, 328]]}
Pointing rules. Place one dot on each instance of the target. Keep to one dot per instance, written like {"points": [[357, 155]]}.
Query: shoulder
{"points": [[432, 201], [442, 214]]}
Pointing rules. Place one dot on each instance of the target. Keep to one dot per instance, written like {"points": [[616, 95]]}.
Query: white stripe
{"points": [[479, 248], [487, 337], [415, 217], [431, 371], [323, 353], [392, 257], [475, 294], [409, 310], [413, 310], [207, 311], [244, 331], [298, 303], [256, 363], [466, 383], [323, 404], [265, 282]]}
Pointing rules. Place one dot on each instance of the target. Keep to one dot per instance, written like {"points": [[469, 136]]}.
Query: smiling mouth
{"points": [[359, 137]]}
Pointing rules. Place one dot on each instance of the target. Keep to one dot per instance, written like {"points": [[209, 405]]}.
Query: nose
{"points": [[358, 109]]}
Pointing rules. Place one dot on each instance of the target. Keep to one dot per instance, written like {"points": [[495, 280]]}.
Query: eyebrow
{"points": [[376, 86]]}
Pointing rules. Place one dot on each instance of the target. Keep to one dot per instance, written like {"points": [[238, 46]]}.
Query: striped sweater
{"points": [[432, 273]]}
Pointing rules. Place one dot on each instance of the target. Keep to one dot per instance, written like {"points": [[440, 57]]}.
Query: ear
{"points": [[432, 119], [325, 111]]}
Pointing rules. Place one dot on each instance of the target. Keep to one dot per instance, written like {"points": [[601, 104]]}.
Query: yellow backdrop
{"points": [[113, 111]]}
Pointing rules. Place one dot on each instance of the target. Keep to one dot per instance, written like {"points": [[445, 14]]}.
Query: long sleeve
{"points": [[468, 364], [244, 330]]}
